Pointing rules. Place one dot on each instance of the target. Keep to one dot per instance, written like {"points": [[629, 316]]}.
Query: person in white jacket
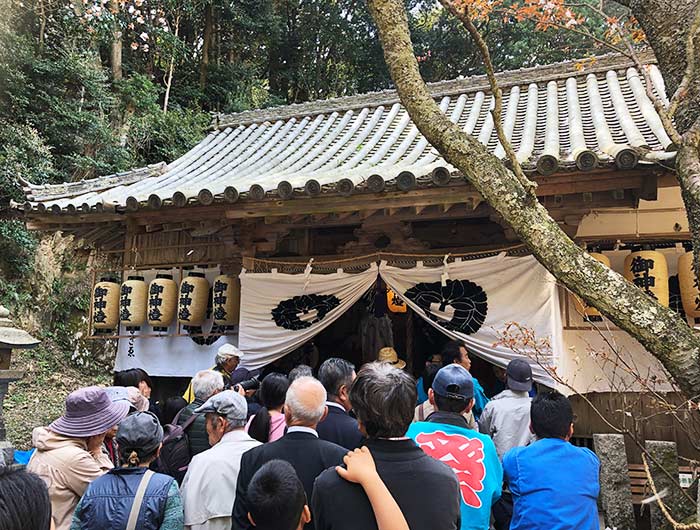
{"points": [[209, 487], [506, 419]]}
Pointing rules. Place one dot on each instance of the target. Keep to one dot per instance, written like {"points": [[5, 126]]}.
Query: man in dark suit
{"points": [[305, 406], [426, 490], [336, 376]]}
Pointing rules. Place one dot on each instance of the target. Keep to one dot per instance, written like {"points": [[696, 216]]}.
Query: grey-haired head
{"points": [[383, 398]]}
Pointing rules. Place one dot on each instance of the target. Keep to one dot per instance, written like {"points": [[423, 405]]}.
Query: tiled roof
{"points": [[557, 117]]}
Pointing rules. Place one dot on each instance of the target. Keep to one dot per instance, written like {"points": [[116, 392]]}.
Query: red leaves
{"points": [[465, 456]]}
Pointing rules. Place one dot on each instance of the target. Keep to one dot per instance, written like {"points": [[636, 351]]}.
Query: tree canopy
{"points": [[93, 87]]}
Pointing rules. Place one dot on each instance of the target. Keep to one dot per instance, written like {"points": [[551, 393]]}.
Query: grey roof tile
{"points": [[554, 115]]}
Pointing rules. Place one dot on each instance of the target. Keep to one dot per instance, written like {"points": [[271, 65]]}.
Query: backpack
{"points": [[175, 454]]}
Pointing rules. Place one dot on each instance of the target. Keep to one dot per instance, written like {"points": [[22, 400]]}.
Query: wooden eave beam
{"points": [[319, 205], [419, 199]]}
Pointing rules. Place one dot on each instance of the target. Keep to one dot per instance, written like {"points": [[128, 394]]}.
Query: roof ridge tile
{"points": [[508, 78]]}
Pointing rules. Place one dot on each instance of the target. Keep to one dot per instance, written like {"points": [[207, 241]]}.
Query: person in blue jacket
{"points": [[554, 483], [110, 499], [434, 360], [472, 456], [454, 352]]}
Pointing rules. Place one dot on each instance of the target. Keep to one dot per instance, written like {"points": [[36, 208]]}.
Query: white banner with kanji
{"points": [[170, 354]]}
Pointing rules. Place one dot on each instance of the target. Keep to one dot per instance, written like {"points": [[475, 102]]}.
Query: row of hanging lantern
{"points": [[161, 302], [648, 270]]}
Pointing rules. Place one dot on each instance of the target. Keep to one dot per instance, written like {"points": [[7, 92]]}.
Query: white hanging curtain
{"points": [[280, 312], [471, 301]]}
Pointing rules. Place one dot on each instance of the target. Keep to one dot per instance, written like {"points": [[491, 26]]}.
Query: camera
{"points": [[248, 384]]}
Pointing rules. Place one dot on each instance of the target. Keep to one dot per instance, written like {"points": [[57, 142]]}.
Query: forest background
{"points": [[93, 87]]}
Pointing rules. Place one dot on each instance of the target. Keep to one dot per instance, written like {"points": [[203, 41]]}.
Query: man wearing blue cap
{"points": [[446, 436]]}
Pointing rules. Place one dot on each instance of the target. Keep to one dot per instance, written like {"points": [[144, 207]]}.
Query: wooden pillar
{"points": [[129, 244], [615, 492]]}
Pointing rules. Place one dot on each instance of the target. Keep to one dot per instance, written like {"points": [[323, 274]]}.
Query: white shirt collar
{"points": [[234, 436], [299, 428], [336, 405]]}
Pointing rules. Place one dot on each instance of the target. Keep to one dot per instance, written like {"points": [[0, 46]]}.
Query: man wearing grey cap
{"points": [[506, 419], [209, 487]]}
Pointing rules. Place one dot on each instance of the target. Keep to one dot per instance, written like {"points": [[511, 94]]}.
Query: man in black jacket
{"points": [[305, 406], [426, 490], [336, 376], [205, 384]]}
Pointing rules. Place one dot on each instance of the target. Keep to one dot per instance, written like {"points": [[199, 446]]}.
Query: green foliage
{"points": [[12, 294], [23, 153], [71, 105], [138, 93], [159, 136], [17, 246]]}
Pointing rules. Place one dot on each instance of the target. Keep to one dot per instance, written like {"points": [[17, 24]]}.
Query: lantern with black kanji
{"points": [[193, 299], [394, 302], [133, 299], [590, 313], [162, 301], [690, 293], [648, 270], [105, 306], [226, 300]]}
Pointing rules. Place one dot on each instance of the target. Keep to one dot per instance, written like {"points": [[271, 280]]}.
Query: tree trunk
{"points": [[42, 24], [688, 173], [171, 69], [206, 44], [666, 25], [116, 46], [657, 328]]}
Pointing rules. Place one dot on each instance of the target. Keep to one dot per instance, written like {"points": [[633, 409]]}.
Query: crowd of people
{"points": [[330, 449]]}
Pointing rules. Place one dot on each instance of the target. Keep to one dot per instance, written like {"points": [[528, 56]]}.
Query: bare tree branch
{"points": [[465, 19], [661, 110], [666, 115], [523, 342]]}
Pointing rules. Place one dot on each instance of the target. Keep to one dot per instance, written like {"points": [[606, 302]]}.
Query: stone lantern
{"points": [[10, 338]]}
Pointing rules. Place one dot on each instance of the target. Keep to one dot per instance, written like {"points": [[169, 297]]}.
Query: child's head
{"points": [[277, 499]]}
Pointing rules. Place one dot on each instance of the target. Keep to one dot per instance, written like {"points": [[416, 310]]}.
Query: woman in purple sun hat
{"points": [[69, 452]]}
